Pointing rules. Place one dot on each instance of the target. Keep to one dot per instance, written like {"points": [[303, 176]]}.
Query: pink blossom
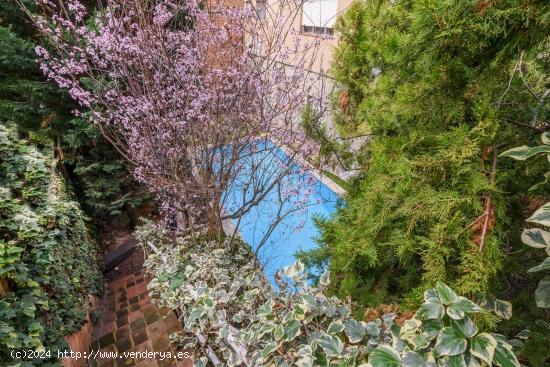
{"points": [[172, 97]]}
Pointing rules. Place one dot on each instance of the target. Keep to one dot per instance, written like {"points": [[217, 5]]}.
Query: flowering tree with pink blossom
{"points": [[197, 96]]}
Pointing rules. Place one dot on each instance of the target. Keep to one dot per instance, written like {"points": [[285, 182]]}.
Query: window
{"points": [[319, 16], [261, 9]]}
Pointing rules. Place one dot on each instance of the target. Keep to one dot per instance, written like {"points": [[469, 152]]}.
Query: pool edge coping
{"points": [[317, 173]]}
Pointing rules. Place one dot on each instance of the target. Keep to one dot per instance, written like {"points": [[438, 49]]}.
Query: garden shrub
{"points": [[535, 236], [440, 86], [47, 256], [231, 317]]}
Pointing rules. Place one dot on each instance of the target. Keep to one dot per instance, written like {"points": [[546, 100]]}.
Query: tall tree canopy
{"points": [[441, 86]]}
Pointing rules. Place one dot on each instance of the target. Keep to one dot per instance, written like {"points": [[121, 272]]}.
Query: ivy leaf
{"points": [[27, 305], [465, 327], [458, 309], [267, 328], [321, 360], [545, 138], [535, 237], [269, 348], [430, 311], [293, 271], [225, 330], [395, 330], [524, 152], [355, 330], [410, 331], [431, 295], [446, 294], [335, 327], [299, 312], [418, 341], [324, 280], [35, 329], [4, 269], [412, 359], [279, 332], [176, 282], [305, 350], [372, 328], [384, 356], [504, 356], [292, 330], [196, 313], [201, 362], [503, 309], [545, 265], [471, 361], [524, 334], [483, 347], [14, 250], [306, 361], [33, 284], [388, 319], [449, 343], [332, 345], [452, 361], [266, 309], [542, 293], [234, 359], [541, 215], [432, 328]]}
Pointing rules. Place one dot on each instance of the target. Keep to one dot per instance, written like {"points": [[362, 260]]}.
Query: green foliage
{"points": [[407, 216], [232, 318], [438, 85], [47, 255], [443, 330], [93, 167], [328, 148], [99, 174], [537, 237]]}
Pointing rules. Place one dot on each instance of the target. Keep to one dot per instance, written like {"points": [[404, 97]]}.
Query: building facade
{"points": [[314, 21]]}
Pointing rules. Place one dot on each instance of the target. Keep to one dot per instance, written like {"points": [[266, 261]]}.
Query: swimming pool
{"points": [[296, 231]]}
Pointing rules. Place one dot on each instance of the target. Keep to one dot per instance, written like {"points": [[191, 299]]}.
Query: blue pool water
{"points": [[296, 230]]}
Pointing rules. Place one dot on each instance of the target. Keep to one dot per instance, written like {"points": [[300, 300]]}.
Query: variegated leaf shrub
{"points": [[233, 317], [537, 237]]}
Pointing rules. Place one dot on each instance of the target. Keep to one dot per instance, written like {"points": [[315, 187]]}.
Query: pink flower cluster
{"points": [[172, 82]]}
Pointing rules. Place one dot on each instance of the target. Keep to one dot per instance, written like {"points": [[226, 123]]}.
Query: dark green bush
{"points": [[47, 255]]}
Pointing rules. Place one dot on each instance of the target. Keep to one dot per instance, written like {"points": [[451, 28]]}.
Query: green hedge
{"points": [[47, 254]]}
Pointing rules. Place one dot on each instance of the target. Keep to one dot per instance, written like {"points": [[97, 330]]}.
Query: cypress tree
{"points": [[437, 85]]}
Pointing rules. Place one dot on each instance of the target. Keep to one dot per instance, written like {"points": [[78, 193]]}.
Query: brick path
{"points": [[129, 321]]}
